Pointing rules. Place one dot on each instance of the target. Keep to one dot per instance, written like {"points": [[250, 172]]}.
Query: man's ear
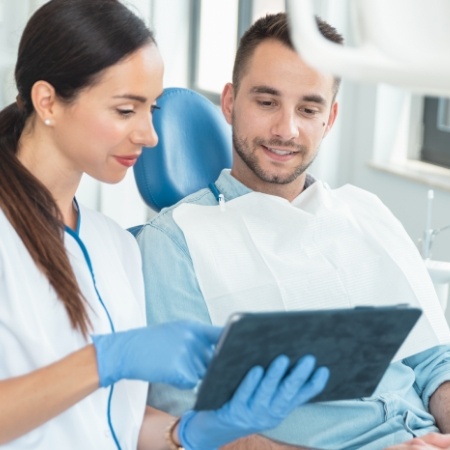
{"points": [[43, 96], [227, 101], [331, 118]]}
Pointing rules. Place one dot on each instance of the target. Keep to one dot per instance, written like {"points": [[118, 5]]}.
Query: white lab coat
{"points": [[35, 329]]}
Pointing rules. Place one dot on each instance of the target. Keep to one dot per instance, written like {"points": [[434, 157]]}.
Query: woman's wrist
{"points": [[172, 435], [199, 436]]}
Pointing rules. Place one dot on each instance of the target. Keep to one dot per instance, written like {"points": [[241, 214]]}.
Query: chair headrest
{"points": [[194, 146]]}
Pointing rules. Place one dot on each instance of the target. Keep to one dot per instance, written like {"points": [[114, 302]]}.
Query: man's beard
{"points": [[243, 149]]}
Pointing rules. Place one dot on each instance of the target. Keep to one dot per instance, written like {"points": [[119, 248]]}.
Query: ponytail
{"points": [[33, 213]]}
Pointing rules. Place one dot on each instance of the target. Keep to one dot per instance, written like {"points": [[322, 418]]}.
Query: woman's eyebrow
{"points": [[137, 98]]}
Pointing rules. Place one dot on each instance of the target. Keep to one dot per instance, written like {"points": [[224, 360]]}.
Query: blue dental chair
{"points": [[194, 146]]}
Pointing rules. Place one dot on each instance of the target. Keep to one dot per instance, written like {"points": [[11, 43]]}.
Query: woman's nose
{"points": [[145, 134]]}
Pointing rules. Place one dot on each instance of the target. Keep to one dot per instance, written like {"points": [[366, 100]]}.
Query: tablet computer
{"points": [[357, 345]]}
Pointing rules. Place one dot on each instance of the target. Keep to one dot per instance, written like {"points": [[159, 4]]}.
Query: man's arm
{"points": [[440, 407], [257, 442], [432, 376], [171, 287], [171, 293]]}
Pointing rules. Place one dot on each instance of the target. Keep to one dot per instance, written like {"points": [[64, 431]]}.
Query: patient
{"points": [[311, 247], [430, 441]]}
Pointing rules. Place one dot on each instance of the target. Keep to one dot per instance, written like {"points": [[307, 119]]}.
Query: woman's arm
{"points": [[153, 430], [30, 400], [176, 353], [153, 435]]}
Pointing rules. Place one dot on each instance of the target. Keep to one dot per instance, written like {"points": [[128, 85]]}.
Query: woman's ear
{"points": [[227, 101], [43, 96]]}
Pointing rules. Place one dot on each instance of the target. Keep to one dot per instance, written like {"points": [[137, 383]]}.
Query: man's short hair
{"points": [[276, 27]]}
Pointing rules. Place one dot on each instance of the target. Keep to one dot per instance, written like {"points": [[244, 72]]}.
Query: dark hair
{"points": [[274, 26], [67, 43]]}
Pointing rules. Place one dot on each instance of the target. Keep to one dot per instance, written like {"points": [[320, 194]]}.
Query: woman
{"points": [[75, 355]]}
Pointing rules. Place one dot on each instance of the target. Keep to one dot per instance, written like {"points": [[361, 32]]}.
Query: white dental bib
{"points": [[327, 249]]}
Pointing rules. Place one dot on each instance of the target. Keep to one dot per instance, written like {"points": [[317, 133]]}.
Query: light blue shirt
{"points": [[398, 410]]}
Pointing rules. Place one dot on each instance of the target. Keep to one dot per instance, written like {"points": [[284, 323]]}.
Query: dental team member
{"points": [[75, 356]]}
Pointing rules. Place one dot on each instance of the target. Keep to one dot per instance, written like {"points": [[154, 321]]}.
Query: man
{"points": [[280, 109]]}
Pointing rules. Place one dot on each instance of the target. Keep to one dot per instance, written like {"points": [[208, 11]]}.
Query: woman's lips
{"points": [[127, 161]]}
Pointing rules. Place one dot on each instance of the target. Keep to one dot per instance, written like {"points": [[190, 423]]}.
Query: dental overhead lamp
{"points": [[399, 42]]}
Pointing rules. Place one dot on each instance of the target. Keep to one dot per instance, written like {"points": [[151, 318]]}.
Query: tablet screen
{"points": [[357, 345]]}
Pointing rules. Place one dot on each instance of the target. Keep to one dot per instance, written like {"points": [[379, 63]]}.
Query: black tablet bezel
{"points": [[356, 344]]}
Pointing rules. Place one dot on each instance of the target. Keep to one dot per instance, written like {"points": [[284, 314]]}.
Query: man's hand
{"points": [[431, 441], [258, 442]]}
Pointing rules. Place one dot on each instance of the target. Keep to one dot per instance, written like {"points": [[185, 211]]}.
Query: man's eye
{"points": [[309, 111], [154, 107], [265, 103]]}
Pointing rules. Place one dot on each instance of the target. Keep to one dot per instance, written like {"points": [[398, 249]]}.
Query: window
{"points": [[217, 40], [262, 7], [436, 131], [212, 58]]}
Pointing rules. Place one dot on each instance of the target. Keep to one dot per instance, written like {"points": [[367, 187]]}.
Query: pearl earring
{"points": [[48, 122]]}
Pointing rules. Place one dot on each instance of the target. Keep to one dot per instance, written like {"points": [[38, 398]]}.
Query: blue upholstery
{"points": [[194, 146]]}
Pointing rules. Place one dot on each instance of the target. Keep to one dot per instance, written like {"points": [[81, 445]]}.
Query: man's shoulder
{"points": [[164, 221], [359, 196]]}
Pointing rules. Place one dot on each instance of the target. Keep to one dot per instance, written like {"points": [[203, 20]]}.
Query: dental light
{"points": [[400, 42]]}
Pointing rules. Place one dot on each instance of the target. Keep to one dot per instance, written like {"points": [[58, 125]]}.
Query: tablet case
{"points": [[357, 345]]}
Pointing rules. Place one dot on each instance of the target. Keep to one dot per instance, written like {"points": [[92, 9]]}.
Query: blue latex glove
{"points": [[261, 402], [175, 353]]}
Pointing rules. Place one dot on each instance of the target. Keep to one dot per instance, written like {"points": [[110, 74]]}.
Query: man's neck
{"points": [[288, 191]]}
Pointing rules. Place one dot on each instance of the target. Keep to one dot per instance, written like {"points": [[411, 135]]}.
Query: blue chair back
{"points": [[194, 146]]}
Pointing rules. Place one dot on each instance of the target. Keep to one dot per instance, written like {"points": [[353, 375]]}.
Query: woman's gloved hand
{"points": [[175, 353], [261, 402]]}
